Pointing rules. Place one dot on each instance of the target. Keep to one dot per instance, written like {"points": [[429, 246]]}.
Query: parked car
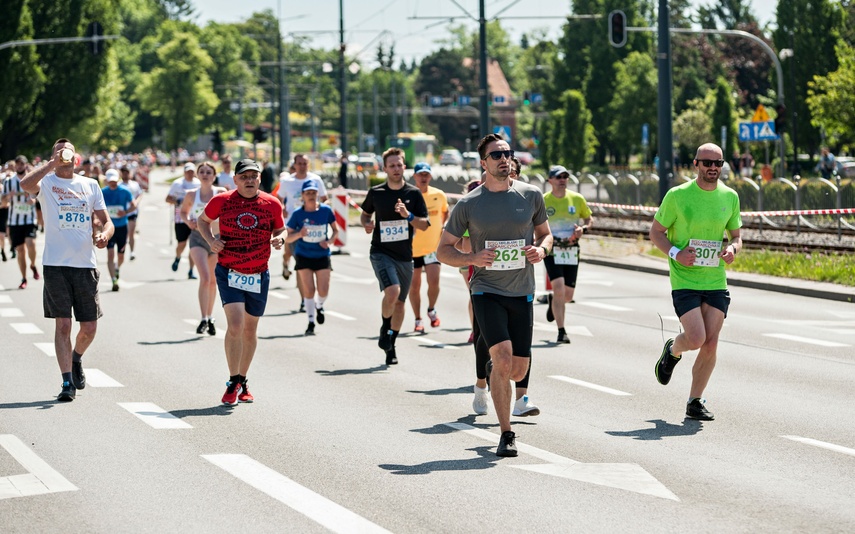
{"points": [[450, 156], [367, 162], [525, 157], [471, 160]]}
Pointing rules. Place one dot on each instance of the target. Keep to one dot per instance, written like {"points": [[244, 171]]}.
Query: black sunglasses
{"points": [[499, 154], [711, 162]]}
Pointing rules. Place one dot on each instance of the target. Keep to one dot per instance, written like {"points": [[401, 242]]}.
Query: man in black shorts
{"points": [[22, 221]]}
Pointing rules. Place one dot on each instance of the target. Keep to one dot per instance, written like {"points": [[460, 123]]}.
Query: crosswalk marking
{"points": [[11, 312], [47, 348], [99, 379], [431, 342], [278, 295], [338, 315], [5, 299], [822, 444], [571, 330], [352, 279], [40, 477], [597, 387], [154, 416], [305, 501], [602, 306], [809, 340], [26, 328]]}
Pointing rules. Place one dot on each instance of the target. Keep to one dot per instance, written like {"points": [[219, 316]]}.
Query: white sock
{"points": [[321, 301], [310, 308]]}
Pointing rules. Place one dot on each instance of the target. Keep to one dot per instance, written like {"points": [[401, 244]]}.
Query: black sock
{"points": [[387, 323], [75, 357], [234, 379], [241, 379], [394, 337], [562, 331], [66, 377]]}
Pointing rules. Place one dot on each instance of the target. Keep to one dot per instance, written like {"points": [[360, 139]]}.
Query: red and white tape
{"points": [[785, 213]]}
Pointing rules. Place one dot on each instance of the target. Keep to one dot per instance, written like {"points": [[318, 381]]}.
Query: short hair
{"points": [[300, 155], [227, 158], [516, 165], [61, 140], [482, 144], [471, 185], [394, 151]]}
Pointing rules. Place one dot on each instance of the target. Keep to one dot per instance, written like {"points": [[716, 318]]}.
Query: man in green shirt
{"points": [[689, 226]]}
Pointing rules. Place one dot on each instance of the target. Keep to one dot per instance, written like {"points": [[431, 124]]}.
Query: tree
{"points": [[633, 103], [576, 141], [692, 128], [831, 100], [723, 114]]}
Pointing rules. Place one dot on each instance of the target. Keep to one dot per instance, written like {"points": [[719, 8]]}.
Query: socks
{"points": [[394, 337], [66, 377], [387, 323], [320, 301], [309, 303], [75, 357]]}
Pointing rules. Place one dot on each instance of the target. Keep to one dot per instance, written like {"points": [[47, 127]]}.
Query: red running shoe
{"points": [[230, 397], [245, 395], [35, 272], [434, 318], [23, 284]]}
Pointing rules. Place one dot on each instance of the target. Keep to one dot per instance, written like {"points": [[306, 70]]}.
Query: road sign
{"points": [[436, 101], [537, 98], [504, 131], [498, 100], [464, 100], [757, 131], [760, 114], [645, 134]]}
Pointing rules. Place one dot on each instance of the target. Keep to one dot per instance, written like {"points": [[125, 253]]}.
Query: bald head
{"points": [[709, 151]]}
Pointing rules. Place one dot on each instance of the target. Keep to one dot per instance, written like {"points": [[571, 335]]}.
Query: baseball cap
{"points": [[421, 167], [189, 166], [112, 175], [246, 165], [310, 185], [557, 170], [21, 159]]}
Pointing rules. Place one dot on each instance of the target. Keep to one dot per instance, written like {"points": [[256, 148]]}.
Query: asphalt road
{"points": [[336, 441]]}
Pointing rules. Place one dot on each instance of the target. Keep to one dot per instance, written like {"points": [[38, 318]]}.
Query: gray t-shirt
{"points": [[506, 219]]}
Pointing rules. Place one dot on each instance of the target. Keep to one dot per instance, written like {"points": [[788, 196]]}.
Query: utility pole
{"points": [[360, 139], [483, 90], [665, 115], [343, 74], [284, 107], [376, 120]]}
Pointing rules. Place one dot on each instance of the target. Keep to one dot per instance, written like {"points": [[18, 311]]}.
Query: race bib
{"points": [[22, 208], [431, 258], [113, 211], [198, 210], [74, 218], [509, 255], [566, 255], [706, 252], [315, 233], [245, 282], [394, 231]]}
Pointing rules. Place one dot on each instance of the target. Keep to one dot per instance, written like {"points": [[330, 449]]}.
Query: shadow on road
{"points": [[662, 429], [341, 372], [446, 391], [42, 404], [219, 409], [486, 459], [173, 342]]}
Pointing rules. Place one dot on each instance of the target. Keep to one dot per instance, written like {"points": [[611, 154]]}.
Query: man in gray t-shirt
{"points": [[508, 232]]}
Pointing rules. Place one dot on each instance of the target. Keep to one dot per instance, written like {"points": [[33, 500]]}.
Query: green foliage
{"points": [[575, 132], [633, 103], [723, 114], [692, 128], [815, 266], [831, 100]]}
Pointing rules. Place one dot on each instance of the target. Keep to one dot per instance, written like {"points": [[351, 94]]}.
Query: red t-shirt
{"points": [[246, 225]]}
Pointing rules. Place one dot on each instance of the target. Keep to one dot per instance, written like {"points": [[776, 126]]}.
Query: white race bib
{"points": [[315, 233], [509, 255], [22, 208], [394, 231], [706, 252], [74, 218], [566, 255], [245, 282], [198, 210], [431, 258], [113, 211]]}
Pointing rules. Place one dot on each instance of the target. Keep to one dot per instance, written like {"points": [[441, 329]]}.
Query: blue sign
{"points": [[464, 100], [537, 98], [757, 131], [498, 100], [436, 101], [504, 131], [645, 134]]}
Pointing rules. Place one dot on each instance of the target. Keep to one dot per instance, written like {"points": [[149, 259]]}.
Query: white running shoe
{"points": [[481, 402], [524, 407]]}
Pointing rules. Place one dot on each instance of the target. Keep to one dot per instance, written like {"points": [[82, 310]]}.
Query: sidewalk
{"points": [[626, 254]]}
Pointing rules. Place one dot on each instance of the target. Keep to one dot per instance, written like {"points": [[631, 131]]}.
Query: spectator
{"points": [[827, 164]]}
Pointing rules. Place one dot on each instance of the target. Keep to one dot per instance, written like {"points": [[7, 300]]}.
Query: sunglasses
{"points": [[499, 154], [711, 162]]}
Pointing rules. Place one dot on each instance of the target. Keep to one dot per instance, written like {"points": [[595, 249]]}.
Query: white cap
{"points": [[189, 166], [112, 175]]}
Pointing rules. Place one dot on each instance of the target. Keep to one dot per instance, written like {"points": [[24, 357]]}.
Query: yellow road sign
{"points": [[760, 114]]}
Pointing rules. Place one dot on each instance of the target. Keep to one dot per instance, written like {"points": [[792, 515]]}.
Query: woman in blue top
{"points": [[308, 227]]}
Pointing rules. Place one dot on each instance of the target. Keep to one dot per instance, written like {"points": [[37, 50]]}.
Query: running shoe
{"points": [[507, 444], [286, 273], [420, 327], [23, 284], [391, 357], [68, 392], [310, 330], [212, 331], [385, 341], [78, 377], [3, 254], [695, 410], [36, 275], [115, 284], [562, 337], [665, 365], [133, 256], [481, 402], [302, 307], [191, 275], [14, 253], [175, 264], [523, 407], [434, 318], [319, 315], [117, 273], [549, 315], [231, 394], [245, 395], [203, 324], [542, 299]]}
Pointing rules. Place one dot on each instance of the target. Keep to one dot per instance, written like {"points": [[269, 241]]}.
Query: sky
{"points": [[368, 23]]}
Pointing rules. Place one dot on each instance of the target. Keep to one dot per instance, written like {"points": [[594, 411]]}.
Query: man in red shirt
{"points": [[250, 221]]}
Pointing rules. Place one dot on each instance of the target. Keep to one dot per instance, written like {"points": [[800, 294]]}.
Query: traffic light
{"points": [[95, 30], [781, 120], [474, 134], [617, 28], [216, 141], [526, 98], [259, 135]]}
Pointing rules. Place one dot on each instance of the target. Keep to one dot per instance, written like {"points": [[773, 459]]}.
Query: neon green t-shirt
{"points": [[565, 212], [699, 218]]}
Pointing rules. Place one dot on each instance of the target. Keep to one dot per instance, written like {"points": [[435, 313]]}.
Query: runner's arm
{"points": [[448, 254]]}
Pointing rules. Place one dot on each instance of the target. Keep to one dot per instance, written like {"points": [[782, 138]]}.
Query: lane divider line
{"points": [[584, 384], [40, 478], [811, 341], [822, 444], [154, 416]]}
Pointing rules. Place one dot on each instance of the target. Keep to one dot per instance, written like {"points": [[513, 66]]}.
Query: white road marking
{"points": [[426, 341], [357, 255], [582, 383], [630, 477], [305, 501], [607, 283], [40, 478], [822, 444], [353, 280], [572, 330], [5, 299], [47, 348], [338, 315], [278, 295], [99, 379], [26, 328], [602, 306], [153, 415], [843, 314], [812, 341], [11, 312], [842, 331], [166, 252]]}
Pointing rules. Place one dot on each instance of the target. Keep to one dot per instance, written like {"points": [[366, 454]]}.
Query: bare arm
{"points": [[659, 237], [30, 182], [419, 223], [542, 243], [735, 246], [366, 222], [186, 207], [203, 224], [448, 254], [102, 237]]}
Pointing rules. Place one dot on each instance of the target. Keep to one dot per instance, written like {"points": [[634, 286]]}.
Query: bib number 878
{"points": [[74, 217]]}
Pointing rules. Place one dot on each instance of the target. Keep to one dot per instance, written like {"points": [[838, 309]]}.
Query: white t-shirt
{"points": [[136, 191], [226, 179], [291, 191], [178, 189], [67, 206]]}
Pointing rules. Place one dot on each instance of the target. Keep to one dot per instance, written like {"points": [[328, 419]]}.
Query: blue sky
{"points": [[370, 22]]}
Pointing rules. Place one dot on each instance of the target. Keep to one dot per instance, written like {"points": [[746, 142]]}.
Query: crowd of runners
{"points": [[495, 234]]}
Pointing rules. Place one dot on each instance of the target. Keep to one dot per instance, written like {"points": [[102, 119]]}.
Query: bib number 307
{"points": [[706, 252], [245, 282]]}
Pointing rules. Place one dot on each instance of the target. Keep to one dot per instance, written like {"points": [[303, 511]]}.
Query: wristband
{"points": [[410, 217], [673, 253]]}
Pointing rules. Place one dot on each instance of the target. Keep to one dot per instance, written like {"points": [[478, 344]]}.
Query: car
{"points": [[471, 160], [367, 162], [450, 156], [331, 156], [525, 157]]}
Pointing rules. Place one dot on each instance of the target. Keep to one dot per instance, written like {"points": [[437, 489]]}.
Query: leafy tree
{"points": [[633, 103], [733, 13], [691, 129], [723, 114], [831, 100]]}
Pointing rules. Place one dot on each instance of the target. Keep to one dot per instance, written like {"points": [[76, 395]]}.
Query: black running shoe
{"points": [[696, 410], [78, 377], [175, 264], [202, 326], [507, 444], [665, 365], [563, 338], [3, 254], [68, 392], [549, 315], [391, 357], [385, 341], [489, 368], [212, 331], [302, 307], [320, 315], [310, 330]]}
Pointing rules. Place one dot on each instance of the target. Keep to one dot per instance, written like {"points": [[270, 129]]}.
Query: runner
{"points": [[175, 197], [137, 192], [71, 275], [119, 201], [399, 207], [424, 247], [22, 221], [4, 211], [509, 233], [200, 251], [307, 229], [226, 178], [250, 221]]}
